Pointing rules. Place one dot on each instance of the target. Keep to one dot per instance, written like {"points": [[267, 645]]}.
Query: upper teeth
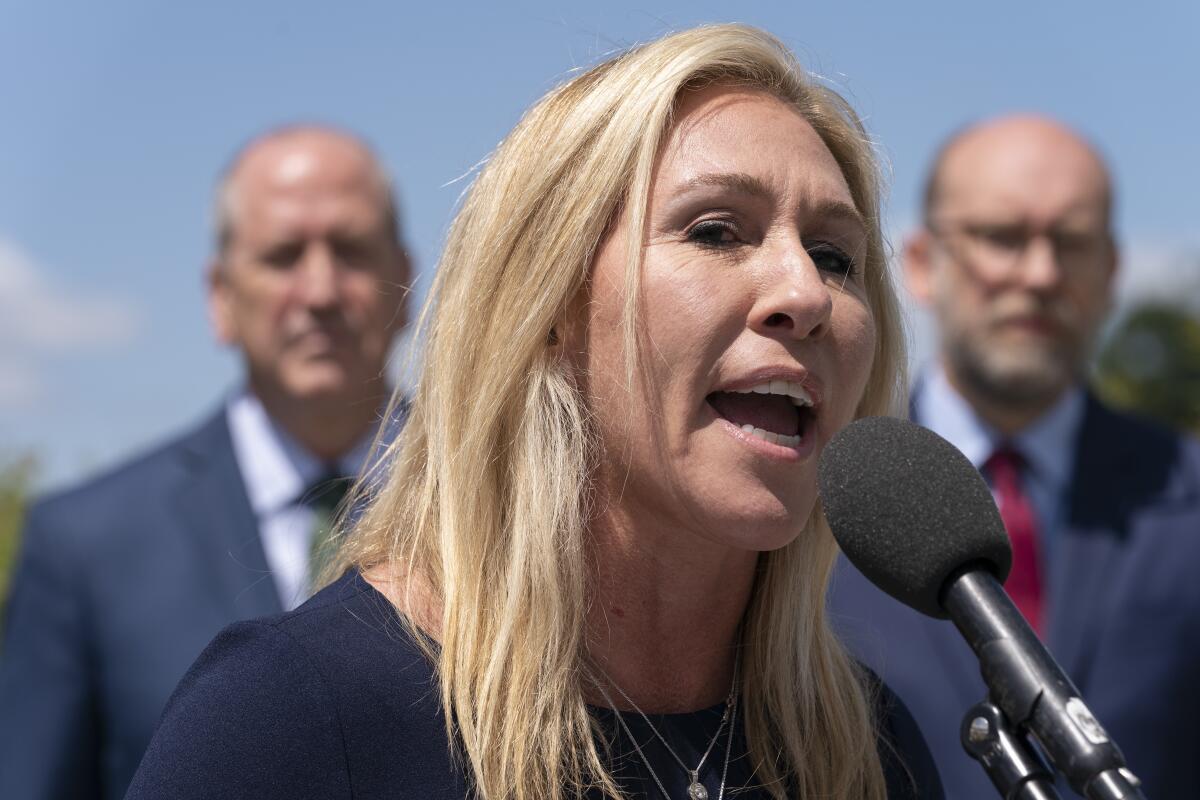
{"points": [[788, 389]]}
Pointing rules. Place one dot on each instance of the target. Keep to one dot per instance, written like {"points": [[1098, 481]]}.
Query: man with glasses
{"points": [[1016, 260]]}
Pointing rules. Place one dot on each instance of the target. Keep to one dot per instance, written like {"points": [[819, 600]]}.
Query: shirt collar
{"points": [[944, 411], [276, 469], [1047, 444]]}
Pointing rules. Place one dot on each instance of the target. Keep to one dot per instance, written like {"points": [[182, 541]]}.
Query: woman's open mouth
{"points": [[779, 412]]}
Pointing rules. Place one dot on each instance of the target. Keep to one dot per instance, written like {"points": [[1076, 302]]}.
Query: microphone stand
{"points": [[1033, 692], [1009, 760]]}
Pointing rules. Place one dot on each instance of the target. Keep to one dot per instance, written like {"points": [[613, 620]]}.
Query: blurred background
{"points": [[116, 118]]}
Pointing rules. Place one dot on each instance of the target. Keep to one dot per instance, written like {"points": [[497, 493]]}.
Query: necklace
{"points": [[696, 790]]}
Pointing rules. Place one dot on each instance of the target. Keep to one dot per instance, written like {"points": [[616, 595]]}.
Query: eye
{"points": [[714, 233], [1008, 238], [352, 252], [283, 256], [833, 259], [1073, 242]]}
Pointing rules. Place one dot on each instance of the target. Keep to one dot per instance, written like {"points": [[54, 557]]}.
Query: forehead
{"points": [[305, 182], [1035, 174], [726, 130]]}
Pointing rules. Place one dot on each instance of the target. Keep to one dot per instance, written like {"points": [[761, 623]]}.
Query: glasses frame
{"points": [[999, 248]]}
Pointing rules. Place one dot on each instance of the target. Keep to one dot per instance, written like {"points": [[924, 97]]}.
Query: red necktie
{"points": [[1024, 584]]}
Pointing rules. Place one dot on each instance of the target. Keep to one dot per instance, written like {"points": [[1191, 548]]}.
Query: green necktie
{"points": [[323, 497]]}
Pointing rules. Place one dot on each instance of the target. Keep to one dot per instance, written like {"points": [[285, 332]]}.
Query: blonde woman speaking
{"points": [[596, 565]]}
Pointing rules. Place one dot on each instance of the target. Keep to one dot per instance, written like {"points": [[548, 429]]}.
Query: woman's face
{"points": [[759, 336]]}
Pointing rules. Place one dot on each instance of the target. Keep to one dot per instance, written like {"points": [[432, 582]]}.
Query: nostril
{"points": [[778, 319]]}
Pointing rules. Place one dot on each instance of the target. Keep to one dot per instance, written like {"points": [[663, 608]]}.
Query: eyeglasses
{"points": [[1000, 248]]}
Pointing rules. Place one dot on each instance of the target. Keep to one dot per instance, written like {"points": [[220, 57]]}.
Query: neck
{"points": [[664, 621], [327, 427], [1007, 415]]}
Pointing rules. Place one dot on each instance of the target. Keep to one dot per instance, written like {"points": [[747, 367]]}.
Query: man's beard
{"points": [[1023, 377]]}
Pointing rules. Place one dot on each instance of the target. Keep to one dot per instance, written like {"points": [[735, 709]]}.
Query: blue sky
{"points": [[117, 115]]}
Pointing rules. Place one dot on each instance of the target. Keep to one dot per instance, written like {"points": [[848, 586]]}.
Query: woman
{"points": [[663, 295]]}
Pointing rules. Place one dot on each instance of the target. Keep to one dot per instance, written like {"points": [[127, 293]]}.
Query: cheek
{"points": [[856, 336], [677, 325], [1093, 303], [689, 321], [264, 299], [594, 350], [364, 295], [959, 298]]}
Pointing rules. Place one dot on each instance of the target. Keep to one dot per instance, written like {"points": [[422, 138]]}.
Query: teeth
{"points": [[771, 436], [793, 391]]}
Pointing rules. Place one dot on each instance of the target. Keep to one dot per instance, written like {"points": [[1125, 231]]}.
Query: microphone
{"points": [[916, 518]]}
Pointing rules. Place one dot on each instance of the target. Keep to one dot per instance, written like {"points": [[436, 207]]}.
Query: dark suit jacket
{"points": [[120, 586], [1123, 614]]}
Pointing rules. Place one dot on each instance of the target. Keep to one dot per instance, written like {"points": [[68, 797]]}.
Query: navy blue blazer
{"points": [[120, 585], [1123, 613]]}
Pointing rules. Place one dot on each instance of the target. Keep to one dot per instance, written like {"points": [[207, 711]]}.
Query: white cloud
{"points": [[21, 387], [1159, 270], [39, 316]]}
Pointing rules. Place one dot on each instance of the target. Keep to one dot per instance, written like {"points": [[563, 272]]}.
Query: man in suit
{"points": [[122, 582], [1016, 260]]}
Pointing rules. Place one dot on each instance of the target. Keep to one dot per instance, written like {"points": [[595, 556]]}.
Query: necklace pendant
{"points": [[696, 790]]}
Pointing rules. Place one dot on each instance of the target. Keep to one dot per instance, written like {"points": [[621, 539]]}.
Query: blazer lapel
{"points": [[1081, 572], [214, 507], [1104, 493]]}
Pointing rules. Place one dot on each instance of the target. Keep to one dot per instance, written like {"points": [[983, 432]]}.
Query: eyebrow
{"points": [[756, 187], [837, 210], [738, 181]]}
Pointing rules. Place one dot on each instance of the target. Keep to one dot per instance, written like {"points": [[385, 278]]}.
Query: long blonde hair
{"points": [[484, 507]]}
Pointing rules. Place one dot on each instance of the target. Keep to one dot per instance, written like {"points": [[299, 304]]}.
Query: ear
{"points": [[220, 303], [1114, 261], [1108, 278], [918, 264]]}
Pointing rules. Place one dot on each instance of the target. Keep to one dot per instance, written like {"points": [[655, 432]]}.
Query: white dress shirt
{"points": [[1047, 445], [276, 471]]}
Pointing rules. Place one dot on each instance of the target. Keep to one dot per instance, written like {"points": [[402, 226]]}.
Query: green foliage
{"points": [[16, 478], [1151, 365]]}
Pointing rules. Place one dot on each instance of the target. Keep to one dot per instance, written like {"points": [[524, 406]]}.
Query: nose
{"points": [[1041, 269], [317, 283], [794, 302]]}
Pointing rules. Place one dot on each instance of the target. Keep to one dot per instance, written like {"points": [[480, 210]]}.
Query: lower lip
{"points": [[770, 449]]}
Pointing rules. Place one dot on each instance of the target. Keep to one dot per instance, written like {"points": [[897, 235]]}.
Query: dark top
{"points": [[335, 700]]}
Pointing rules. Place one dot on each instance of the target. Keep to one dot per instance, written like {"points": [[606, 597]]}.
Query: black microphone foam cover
{"points": [[909, 510]]}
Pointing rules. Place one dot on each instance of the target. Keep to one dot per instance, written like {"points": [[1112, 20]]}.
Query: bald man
{"points": [[123, 581], [1016, 260]]}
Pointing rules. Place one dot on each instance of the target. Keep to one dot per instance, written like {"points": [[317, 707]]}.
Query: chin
{"points": [[318, 383], [1038, 376], [760, 524]]}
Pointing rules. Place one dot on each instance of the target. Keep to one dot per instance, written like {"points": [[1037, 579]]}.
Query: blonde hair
{"points": [[484, 511]]}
